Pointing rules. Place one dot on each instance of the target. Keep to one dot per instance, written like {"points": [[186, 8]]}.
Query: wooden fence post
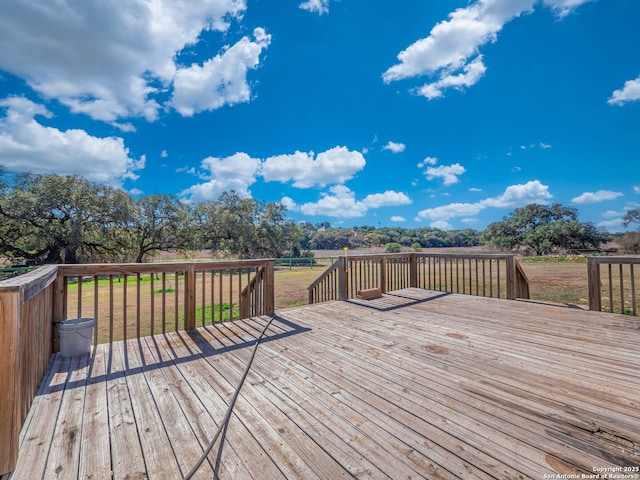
{"points": [[59, 303], [270, 297], [511, 277], [593, 282], [383, 275], [10, 314], [190, 298], [343, 279], [413, 270]]}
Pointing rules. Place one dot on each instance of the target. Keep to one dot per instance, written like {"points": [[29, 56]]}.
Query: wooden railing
{"points": [[613, 288], [486, 275], [126, 301], [26, 315], [133, 300]]}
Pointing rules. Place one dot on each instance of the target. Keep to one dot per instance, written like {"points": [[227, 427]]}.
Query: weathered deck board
{"points": [[415, 384]]}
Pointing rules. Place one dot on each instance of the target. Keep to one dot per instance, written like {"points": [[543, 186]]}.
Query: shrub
{"points": [[392, 247]]}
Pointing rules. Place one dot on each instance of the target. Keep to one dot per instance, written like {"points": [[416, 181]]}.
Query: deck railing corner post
{"points": [[383, 274], [511, 277], [593, 282], [343, 278], [10, 315], [270, 285], [58, 305]]}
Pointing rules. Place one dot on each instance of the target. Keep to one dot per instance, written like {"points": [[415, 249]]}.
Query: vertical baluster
{"points": [[491, 277], [80, 280], [95, 309], [124, 308], [164, 302], [621, 290], [152, 302], [110, 308], [610, 290], [633, 291], [176, 300], [203, 306], [138, 305]]}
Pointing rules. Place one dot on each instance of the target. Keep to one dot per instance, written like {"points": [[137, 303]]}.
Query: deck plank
{"points": [[34, 450], [416, 384], [127, 458], [95, 455]]}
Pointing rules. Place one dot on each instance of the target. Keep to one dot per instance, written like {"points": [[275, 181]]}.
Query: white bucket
{"points": [[75, 336]]}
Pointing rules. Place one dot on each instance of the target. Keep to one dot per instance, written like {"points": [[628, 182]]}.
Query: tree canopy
{"points": [[544, 229], [67, 219]]}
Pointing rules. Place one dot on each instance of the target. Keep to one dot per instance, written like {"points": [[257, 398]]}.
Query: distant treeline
{"points": [[324, 237], [68, 219]]}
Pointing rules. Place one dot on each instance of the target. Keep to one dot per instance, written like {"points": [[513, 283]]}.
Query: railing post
{"points": [[270, 297], [59, 302], [593, 282], [343, 279], [10, 315], [383, 275], [413, 270], [511, 277], [190, 298]]}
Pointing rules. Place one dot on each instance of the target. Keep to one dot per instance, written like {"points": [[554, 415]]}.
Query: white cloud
{"points": [[441, 225], [221, 80], [164, 154], [451, 52], [428, 161], [316, 6], [611, 224], [451, 43], [398, 219], [520, 195], [513, 196], [386, 199], [630, 92], [448, 173], [474, 189], [612, 213], [237, 172], [636, 189], [289, 203], [564, 7], [113, 60], [334, 166], [544, 146], [395, 147], [445, 212], [27, 145], [595, 197], [471, 74], [341, 202]]}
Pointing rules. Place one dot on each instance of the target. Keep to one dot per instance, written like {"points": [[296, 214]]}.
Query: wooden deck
{"points": [[416, 384]]}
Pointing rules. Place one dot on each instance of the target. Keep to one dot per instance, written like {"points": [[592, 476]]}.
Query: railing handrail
{"points": [[324, 275], [595, 284], [402, 269], [116, 268]]}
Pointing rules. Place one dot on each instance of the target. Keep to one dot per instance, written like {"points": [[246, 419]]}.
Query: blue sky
{"points": [[447, 114]]}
